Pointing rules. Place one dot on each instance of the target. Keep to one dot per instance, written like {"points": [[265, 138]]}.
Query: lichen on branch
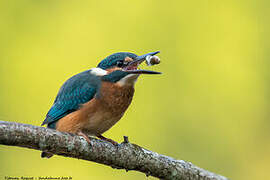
{"points": [[124, 156]]}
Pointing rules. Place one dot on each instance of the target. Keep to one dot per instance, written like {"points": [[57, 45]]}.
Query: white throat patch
{"points": [[98, 71], [128, 80]]}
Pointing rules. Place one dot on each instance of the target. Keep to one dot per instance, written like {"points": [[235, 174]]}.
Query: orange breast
{"points": [[101, 113], [115, 98]]}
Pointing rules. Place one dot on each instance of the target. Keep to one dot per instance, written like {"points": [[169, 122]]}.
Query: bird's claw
{"points": [[85, 137], [108, 140]]}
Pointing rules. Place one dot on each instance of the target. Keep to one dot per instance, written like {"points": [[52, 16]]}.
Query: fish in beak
{"points": [[132, 66]]}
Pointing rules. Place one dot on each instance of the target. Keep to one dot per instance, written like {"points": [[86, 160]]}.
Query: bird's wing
{"points": [[77, 90]]}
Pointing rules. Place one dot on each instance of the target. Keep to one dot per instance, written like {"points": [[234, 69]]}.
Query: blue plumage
{"points": [[112, 59], [108, 101], [77, 90], [82, 87]]}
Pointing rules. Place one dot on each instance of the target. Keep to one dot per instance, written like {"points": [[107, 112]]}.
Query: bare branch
{"points": [[125, 156]]}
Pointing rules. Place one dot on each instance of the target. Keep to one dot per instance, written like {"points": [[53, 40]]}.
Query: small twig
{"points": [[126, 139]]}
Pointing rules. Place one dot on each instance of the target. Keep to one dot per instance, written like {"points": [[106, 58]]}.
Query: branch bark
{"points": [[125, 156]]}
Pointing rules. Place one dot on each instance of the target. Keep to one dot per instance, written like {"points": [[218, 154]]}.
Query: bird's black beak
{"points": [[132, 65]]}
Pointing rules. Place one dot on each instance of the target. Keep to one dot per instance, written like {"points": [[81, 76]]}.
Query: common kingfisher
{"points": [[91, 102]]}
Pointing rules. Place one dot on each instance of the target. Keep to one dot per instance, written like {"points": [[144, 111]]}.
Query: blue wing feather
{"points": [[77, 90]]}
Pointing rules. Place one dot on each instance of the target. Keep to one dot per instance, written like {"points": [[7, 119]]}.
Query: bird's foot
{"points": [[85, 137], [107, 139]]}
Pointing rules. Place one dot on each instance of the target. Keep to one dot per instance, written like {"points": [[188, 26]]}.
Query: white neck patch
{"points": [[128, 80], [98, 71]]}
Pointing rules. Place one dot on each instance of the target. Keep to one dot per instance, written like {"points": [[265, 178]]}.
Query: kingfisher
{"points": [[91, 102]]}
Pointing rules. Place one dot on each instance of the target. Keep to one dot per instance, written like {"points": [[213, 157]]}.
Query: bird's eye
{"points": [[119, 63]]}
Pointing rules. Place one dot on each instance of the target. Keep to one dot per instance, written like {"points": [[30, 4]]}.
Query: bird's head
{"points": [[122, 68]]}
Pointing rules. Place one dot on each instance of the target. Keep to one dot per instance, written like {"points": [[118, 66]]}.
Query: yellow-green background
{"points": [[210, 107]]}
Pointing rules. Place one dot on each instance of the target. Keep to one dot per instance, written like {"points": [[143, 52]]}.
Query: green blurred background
{"points": [[210, 107]]}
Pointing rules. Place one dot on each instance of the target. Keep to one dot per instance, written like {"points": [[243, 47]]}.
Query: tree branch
{"points": [[125, 156]]}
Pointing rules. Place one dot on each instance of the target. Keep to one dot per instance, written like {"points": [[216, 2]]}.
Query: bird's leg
{"points": [[107, 139], [85, 137]]}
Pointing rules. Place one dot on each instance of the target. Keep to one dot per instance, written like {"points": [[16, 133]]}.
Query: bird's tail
{"points": [[46, 155]]}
